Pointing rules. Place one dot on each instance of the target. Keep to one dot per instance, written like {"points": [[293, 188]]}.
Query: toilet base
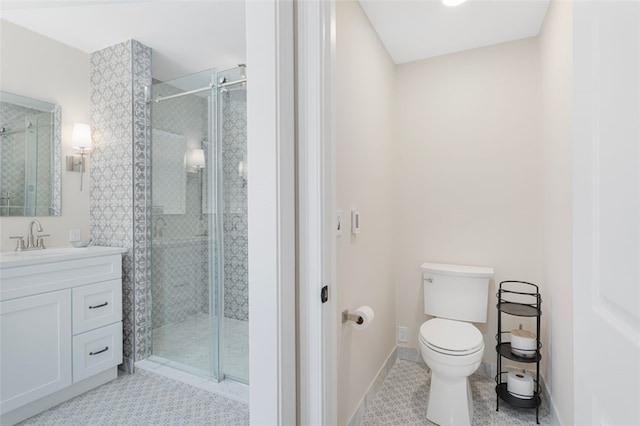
{"points": [[450, 401]]}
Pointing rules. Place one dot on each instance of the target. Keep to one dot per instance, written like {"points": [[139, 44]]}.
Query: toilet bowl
{"points": [[453, 351], [457, 296]]}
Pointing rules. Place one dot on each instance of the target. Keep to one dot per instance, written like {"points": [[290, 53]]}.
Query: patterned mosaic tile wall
{"points": [[186, 116], [179, 274], [38, 201], [119, 178], [180, 241], [234, 145]]}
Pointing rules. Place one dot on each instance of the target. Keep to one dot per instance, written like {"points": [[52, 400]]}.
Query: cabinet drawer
{"points": [[96, 351], [96, 305], [24, 281]]}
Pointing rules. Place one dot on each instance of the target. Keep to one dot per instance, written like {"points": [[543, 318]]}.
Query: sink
{"points": [[19, 259], [45, 252]]}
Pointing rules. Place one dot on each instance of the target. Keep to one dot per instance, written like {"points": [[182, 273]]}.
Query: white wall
{"points": [[38, 67], [467, 172], [481, 175], [555, 43], [364, 99]]}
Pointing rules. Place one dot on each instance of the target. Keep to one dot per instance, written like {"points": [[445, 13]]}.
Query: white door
{"points": [[606, 212]]}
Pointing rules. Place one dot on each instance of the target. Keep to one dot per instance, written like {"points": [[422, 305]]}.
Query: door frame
{"points": [[271, 211], [281, 94], [318, 325]]}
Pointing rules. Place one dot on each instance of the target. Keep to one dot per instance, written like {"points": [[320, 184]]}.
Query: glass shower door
{"points": [[232, 178], [200, 311], [184, 234]]}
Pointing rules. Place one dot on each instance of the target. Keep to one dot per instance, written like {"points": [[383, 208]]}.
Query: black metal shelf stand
{"points": [[518, 298]]}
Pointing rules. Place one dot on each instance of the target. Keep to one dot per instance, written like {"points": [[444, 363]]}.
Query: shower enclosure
{"points": [[199, 279]]}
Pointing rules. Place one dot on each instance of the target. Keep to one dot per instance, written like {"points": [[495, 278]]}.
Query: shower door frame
{"points": [[217, 220]]}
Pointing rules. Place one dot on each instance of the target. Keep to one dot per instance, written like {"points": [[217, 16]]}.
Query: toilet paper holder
{"points": [[346, 316]]}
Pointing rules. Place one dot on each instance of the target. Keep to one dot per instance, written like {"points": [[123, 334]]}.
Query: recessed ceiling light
{"points": [[452, 3]]}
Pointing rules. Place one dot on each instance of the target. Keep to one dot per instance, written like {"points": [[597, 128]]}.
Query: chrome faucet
{"points": [[30, 241], [34, 242]]}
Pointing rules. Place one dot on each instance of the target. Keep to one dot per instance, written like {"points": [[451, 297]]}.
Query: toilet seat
{"points": [[451, 337]]}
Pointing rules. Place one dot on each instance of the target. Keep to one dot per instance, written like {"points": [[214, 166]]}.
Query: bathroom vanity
{"points": [[60, 326]]}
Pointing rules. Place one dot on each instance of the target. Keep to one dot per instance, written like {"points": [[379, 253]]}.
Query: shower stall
{"points": [[199, 278]]}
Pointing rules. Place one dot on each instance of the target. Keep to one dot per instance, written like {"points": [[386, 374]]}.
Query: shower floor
{"points": [[186, 345]]}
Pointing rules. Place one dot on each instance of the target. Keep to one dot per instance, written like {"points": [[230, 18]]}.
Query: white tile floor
{"points": [[186, 345], [145, 399], [402, 400]]}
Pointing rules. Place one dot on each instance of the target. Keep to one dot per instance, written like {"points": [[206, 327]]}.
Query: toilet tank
{"points": [[456, 292]]}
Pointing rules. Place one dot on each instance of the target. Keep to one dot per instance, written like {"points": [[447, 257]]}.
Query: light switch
{"points": [[355, 222]]}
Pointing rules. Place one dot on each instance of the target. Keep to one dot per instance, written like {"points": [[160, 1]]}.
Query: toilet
{"points": [[452, 347]]}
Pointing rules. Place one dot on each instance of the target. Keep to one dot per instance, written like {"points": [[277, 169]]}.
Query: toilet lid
{"points": [[450, 336]]}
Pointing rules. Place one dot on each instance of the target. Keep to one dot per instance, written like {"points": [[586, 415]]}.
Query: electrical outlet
{"points": [[75, 235], [402, 334]]}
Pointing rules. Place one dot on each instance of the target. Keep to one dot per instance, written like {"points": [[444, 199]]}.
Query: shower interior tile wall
{"points": [[13, 146], [186, 116], [180, 279], [234, 143], [181, 249]]}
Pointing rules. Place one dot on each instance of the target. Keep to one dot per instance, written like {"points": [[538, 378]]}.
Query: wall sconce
{"points": [[196, 160], [242, 170], [81, 139]]}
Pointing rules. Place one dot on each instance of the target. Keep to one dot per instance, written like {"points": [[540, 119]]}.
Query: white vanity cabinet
{"points": [[60, 327]]}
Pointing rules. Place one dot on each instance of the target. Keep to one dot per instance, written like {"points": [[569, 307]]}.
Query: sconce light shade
{"points": [[81, 136], [197, 159]]}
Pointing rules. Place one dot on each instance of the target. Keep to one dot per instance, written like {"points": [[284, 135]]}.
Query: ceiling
{"points": [[186, 36], [190, 36], [418, 29]]}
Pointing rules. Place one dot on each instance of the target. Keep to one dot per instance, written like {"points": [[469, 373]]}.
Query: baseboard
{"points": [[370, 394], [410, 354], [555, 420]]}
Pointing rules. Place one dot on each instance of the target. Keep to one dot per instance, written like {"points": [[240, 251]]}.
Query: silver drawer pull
{"points": [[100, 351], [98, 306]]}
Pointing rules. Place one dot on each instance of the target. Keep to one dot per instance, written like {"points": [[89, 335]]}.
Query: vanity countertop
{"points": [[14, 259]]}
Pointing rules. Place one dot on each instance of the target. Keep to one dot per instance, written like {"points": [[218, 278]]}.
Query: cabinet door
{"points": [[35, 350]]}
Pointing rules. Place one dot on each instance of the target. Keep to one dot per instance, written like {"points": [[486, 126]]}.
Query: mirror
{"points": [[30, 156]]}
